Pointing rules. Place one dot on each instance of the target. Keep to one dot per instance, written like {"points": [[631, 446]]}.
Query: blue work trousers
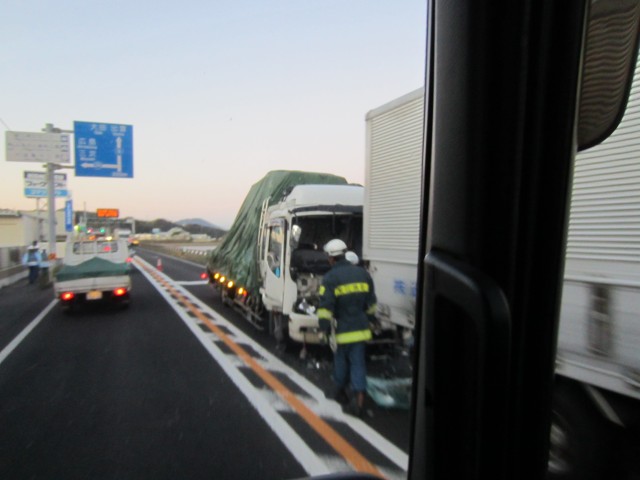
{"points": [[349, 363], [34, 270]]}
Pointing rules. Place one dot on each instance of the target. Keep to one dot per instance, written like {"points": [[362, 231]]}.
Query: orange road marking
{"points": [[322, 428]]}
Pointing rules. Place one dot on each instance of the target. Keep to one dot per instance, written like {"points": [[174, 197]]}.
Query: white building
{"points": [[20, 228]]}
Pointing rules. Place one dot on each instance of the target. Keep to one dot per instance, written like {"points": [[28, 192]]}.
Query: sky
{"points": [[218, 92]]}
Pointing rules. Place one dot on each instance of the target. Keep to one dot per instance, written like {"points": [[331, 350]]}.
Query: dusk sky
{"points": [[218, 92]]}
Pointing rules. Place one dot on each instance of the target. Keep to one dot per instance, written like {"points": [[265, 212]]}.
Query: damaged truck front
{"points": [[270, 264]]}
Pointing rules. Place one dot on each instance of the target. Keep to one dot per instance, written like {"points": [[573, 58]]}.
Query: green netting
{"points": [[236, 256], [95, 267]]}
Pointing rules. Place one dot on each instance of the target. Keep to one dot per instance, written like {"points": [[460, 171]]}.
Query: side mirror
{"points": [[296, 232], [608, 67]]}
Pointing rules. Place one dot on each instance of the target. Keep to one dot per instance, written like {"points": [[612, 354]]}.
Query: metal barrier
{"points": [[11, 268]]}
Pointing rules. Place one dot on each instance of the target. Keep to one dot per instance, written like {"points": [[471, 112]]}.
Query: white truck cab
{"points": [[291, 259]]}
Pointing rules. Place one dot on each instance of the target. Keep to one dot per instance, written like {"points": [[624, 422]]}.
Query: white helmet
{"points": [[335, 247], [352, 257]]}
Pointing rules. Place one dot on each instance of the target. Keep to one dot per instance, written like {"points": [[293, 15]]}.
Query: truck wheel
{"points": [[225, 298], [580, 439]]}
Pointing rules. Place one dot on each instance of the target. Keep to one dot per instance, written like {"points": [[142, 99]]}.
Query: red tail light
{"points": [[67, 296], [203, 275], [118, 292]]}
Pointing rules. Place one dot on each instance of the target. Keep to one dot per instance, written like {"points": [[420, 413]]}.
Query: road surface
{"points": [[175, 386]]}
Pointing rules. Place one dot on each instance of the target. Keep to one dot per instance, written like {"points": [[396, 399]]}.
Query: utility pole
{"points": [[51, 191]]}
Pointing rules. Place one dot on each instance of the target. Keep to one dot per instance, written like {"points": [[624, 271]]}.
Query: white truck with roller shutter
{"points": [[391, 213], [597, 397]]}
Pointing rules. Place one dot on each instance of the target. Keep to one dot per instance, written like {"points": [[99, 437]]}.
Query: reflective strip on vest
{"points": [[321, 290], [372, 309], [352, 337], [324, 314], [346, 289]]}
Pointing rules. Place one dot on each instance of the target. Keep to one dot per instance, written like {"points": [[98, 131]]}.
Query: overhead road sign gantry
{"points": [[103, 150], [37, 147]]}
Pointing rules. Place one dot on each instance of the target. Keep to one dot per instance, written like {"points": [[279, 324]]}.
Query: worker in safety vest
{"points": [[347, 297], [32, 259]]}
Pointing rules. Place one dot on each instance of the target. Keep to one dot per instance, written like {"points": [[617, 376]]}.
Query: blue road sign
{"points": [[103, 150], [68, 216]]}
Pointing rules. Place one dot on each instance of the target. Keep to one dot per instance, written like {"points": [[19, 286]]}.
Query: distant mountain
{"points": [[196, 221], [188, 225], [191, 225]]}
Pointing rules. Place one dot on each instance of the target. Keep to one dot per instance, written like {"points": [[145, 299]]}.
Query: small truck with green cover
{"points": [[93, 270]]}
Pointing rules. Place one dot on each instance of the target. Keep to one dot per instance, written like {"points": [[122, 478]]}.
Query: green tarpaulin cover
{"points": [[95, 267], [236, 256]]}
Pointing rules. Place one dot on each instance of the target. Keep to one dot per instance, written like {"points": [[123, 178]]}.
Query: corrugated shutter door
{"points": [[394, 210], [605, 204]]}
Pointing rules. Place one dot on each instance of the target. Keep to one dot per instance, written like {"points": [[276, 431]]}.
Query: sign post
{"points": [[51, 147], [102, 150], [51, 197]]}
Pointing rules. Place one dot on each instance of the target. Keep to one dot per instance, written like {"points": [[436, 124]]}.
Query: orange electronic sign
{"points": [[108, 213]]}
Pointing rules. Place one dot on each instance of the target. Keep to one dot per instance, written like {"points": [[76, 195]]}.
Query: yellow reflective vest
{"points": [[347, 294]]}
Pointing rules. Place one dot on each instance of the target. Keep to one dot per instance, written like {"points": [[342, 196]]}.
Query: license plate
{"points": [[94, 295]]}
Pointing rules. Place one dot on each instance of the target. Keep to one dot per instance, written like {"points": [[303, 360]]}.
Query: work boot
{"points": [[356, 407], [340, 396]]}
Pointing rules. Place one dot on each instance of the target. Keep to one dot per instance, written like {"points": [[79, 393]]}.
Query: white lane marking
{"points": [[322, 406], [192, 282], [6, 351], [291, 440]]}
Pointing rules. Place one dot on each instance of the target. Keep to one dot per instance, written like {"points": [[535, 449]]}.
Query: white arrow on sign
{"points": [[101, 165], [119, 153]]}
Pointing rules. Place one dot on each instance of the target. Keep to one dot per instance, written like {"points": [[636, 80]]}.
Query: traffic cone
{"points": [[159, 264]]}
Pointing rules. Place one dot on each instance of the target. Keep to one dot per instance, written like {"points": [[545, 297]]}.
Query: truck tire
{"points": [[225, 298], [580, 439]]}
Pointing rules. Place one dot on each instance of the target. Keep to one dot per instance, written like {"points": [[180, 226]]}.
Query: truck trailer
{"points": [[597, 396], [391, 223], [596, 404]]}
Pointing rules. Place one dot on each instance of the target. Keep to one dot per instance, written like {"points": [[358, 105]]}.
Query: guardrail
{"points": [[197, 253], [11, 268]]}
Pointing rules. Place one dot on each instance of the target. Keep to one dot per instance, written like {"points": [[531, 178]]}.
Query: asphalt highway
{"points": [[175, 386]]}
